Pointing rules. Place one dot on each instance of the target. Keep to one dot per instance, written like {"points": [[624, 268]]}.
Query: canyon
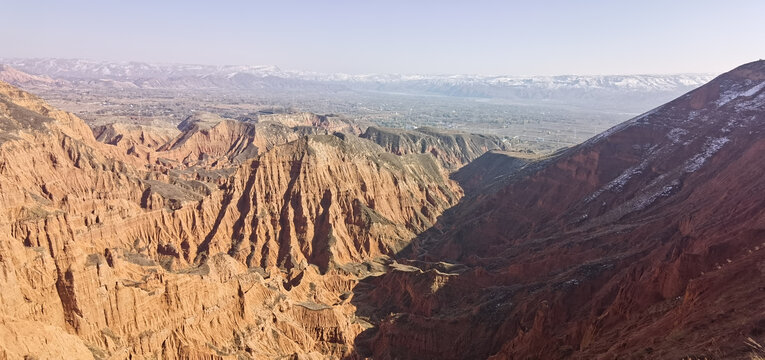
{"points": [[305, 236]]}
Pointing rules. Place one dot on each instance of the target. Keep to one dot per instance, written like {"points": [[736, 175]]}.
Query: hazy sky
{"points": [[364, 36]]}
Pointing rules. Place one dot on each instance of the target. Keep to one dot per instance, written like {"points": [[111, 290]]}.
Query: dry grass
{"points": [[758, 351]]}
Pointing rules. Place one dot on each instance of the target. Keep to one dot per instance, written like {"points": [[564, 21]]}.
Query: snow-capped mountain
{"points": [[86, 69], [564, 89]]}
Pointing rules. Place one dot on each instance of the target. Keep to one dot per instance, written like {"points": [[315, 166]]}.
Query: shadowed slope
{"points": [[645, 241]]}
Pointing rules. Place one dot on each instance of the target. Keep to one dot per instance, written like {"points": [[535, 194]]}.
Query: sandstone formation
{"points": [[453, 148], [331, 123], [273, 214], [194, 247], [211, 141], [135, 140]]}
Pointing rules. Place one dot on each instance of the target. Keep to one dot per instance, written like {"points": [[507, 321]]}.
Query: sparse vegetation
{"points": [[757, 350]]}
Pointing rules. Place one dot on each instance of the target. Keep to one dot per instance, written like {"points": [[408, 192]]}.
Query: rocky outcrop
{"points": [[331, 123], [117, 134], [122, 304], [208, 140], [135, 140], [452, 148], [328, 200], [27, 339]]}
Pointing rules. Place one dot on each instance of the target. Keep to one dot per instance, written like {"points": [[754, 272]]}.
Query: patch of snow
{"points": [[710, 148], [733, 94], [692, 116], [618, 183], [665, 191], [758, 103], [676, 134], [572, 282], [754, 90], [732, 123]]}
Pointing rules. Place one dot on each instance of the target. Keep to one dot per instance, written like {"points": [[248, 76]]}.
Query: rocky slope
{"points": [[287, 207], [11, 75], [643, 242], [135, 140], [210, 141], [452, 148], [110, 255], [490, 170], [330, 123], [133, 135]]}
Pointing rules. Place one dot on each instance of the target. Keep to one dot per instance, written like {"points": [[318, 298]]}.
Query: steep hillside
{"points": [[490, 170], [13, 76], [329, 200], [643, 242]]}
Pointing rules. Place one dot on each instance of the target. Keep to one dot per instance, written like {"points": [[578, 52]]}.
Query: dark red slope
{"points": [[647, 160], [644, 242]]}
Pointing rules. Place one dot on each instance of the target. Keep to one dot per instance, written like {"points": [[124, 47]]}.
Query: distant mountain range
{"points": [[583, 90]]}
